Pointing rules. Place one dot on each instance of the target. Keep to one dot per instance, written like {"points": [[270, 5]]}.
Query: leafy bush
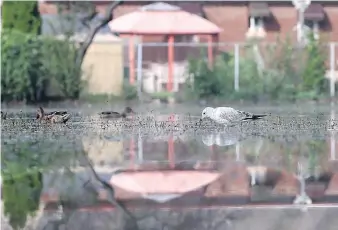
{"points": [[208, 82], [29, 62], [22, 73], [22, 16], [313, 74], [289, 73], [62, 67], [129, 91]]}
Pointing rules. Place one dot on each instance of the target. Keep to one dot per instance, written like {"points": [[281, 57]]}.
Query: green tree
{"points": [[22, 74], [22, 16], [313, 75]]}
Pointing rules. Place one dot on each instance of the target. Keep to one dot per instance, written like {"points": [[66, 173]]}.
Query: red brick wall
{"points": [[282, 23], [332, 15], [233, 18]]}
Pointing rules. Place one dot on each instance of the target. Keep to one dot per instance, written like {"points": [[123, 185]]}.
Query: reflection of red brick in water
{"points": [[287, 184], [333, 166], [332, 189], [315, 190], [234, 181]]}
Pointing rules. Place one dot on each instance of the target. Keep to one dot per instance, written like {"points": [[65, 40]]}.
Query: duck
{"points": [[53, 117], [112, 114], [3, 115]]}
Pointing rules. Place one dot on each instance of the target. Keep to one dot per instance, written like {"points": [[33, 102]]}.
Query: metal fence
{"points": [[153, 63]]}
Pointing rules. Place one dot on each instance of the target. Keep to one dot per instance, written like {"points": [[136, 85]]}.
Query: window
{"points": [[187, 38], [312, 26], [256, 22], [256, 27]]}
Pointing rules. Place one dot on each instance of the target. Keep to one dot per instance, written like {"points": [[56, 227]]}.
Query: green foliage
{"points": [[22, 165], [313, 75], [61, 65], [22, 73], [22, 16], [22, 183], [210, 82], [99, 98], [315, 148], [29, 62], [288, 73], [21, 194], [161, 95], [129, 91]]}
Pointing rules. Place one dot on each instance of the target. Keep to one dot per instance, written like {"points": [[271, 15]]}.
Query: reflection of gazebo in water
{"points": [[163, 19]]}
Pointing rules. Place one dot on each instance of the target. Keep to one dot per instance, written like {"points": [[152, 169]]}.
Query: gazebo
{"points": [[163, 19]]}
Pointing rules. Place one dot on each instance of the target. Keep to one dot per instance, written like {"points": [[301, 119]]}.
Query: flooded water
{"points": [[172, 172]]}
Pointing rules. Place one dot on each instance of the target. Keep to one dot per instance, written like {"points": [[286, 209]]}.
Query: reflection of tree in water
{"points": [[55, 149], [21, 196], [22, 185], [22, 167]]}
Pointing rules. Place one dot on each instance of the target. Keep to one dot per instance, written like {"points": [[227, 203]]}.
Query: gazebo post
{"points": [[132, 153], [210, 50], [170, 62], [171, 152], [131, 60]]}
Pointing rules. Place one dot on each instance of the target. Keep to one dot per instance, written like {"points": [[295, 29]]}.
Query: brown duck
{"points": [[110, 114], [53, 117], [3, 115]]}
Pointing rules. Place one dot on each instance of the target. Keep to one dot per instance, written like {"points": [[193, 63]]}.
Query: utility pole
{"points": [[301, 6]]}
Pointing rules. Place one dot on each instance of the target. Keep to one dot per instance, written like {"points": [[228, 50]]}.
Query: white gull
{"points": [[228, 115]]}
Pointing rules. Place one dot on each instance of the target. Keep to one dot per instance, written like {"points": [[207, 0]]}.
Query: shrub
{"points": [[22, 73], [206, 83], [129, 91], [313, 74], [60, 62], [28, 62], [289, 73], [22, 16]]}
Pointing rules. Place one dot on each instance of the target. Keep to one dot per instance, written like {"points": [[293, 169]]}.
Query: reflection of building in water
{"points": [[217, 185], [103, 152], [155, 150]]}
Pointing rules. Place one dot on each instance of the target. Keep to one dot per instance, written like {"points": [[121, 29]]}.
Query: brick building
{"points": [[242, 19], [239, 20]]}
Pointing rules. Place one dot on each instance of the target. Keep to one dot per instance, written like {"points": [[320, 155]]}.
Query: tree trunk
{"points": [[93, 30]]}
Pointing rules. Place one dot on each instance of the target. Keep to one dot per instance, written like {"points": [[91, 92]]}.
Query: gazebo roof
{"points": [[161, 18]]}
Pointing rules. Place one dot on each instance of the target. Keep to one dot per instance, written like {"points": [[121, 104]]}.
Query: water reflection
{"points": [[302, 197], [266, 162], [332, 133], [231, 137]]}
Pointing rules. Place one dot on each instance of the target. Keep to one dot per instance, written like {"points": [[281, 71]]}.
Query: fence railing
{"points": [[153, 63]]}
